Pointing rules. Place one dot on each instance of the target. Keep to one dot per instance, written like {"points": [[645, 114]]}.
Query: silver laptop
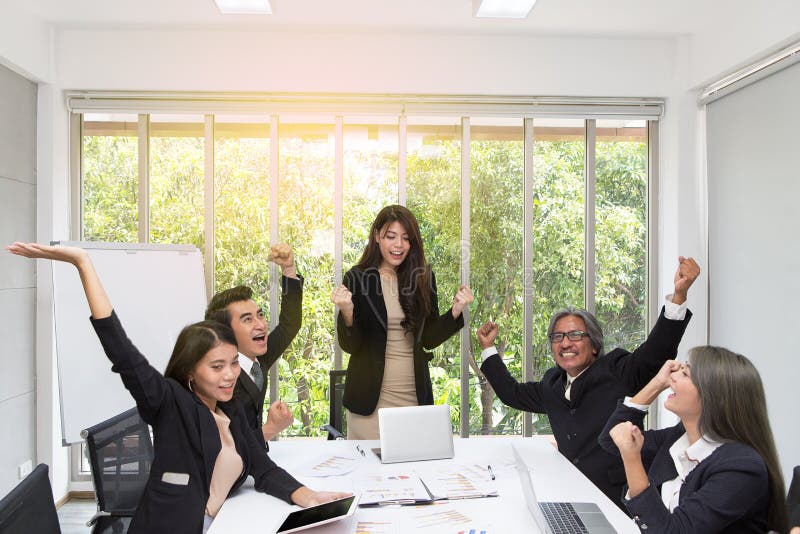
{"points": [[414, 433], [560, 517]]}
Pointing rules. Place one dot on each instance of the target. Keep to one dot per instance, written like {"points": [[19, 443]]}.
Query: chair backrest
{"points": [[120, 453], [336, 418], [29, 507], [793, 498]]}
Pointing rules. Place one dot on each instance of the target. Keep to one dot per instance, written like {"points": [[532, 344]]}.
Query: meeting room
{"points": [[479, 266]]}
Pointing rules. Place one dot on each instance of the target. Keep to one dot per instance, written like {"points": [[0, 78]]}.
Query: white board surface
{"points": [[156, 290]]}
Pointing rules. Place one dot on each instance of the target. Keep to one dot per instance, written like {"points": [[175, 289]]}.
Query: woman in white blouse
{"points": [[715, 471]]}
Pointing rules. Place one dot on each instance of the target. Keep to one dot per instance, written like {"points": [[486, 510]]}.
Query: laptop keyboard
{"points": [[562, 518]]}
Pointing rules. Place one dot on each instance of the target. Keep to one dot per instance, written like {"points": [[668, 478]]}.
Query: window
{"points": [[533, 212]]}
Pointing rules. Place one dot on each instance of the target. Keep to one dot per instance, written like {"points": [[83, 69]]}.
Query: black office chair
{"points": [[29, 507], [337, 422], [120, 453], [793, 499]]}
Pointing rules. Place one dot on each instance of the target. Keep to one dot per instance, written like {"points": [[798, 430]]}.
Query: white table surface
{"points": [[555, 479]]}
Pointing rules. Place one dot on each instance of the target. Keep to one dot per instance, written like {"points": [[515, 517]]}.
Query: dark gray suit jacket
{"points": [[289, 322], [727, 492], [577, 423]]}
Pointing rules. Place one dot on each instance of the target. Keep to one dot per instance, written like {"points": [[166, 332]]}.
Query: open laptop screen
{"points": [[414, 433]]}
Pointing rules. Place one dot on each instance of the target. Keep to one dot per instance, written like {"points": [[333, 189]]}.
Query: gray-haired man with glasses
{"points": [[581, 391]]}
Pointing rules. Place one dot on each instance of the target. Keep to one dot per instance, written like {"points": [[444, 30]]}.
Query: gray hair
{"points": [[593, 328]]}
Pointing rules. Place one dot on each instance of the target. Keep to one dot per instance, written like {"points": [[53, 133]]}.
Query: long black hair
{"points": [[413, 275], [733, 407]]}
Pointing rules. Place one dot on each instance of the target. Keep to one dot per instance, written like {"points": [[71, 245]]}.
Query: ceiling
{"points": [[655, 18]]}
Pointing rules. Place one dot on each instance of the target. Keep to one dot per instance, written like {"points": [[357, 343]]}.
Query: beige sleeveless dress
{"points": [[398, 387]]}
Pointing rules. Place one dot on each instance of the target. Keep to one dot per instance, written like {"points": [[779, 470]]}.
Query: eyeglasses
{"points": [[574, 335]]}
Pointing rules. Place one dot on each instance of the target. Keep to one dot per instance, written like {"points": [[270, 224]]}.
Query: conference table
{"points": [[554, 479]]}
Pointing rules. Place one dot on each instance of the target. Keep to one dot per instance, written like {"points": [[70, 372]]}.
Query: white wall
{"points": [[366, 62], [742, 32], [25, 43], [18, 190]]}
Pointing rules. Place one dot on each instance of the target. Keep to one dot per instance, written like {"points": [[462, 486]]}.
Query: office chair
{"points": [[337, 422], [793, 499], [120, 453], [29, 507]]}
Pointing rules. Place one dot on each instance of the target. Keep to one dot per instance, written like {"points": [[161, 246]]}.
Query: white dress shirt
{"points": [[245, 364]]}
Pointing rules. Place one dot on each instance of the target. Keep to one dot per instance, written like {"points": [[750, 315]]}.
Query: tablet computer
{"points": [[319, 515]]}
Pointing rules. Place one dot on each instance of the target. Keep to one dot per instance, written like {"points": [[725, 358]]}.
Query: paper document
{"points": [[395, 488], [459, 481], [329, 465]]}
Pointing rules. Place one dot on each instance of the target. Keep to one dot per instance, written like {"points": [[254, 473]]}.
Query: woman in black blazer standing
{"points": [[715, 471], [388, 319], [203, 447]]}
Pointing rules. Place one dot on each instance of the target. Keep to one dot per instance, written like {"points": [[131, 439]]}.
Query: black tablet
{"points": [[318, 515]]}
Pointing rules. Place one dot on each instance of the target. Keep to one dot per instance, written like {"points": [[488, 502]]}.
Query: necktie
{"points": [[258, 376]]}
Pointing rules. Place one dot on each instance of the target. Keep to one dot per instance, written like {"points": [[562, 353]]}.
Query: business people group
{"points": [[388, 319], [204, 446]]}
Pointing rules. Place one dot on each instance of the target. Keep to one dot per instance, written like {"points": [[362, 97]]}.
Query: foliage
{"points": [[494, 253]]}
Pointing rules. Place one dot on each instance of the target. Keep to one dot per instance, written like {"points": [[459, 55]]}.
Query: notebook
{"points": [[560, 517], [414, 433]]}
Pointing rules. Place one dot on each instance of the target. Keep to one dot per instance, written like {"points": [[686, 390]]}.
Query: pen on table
{"points": [[491, 473], [359, 449]]}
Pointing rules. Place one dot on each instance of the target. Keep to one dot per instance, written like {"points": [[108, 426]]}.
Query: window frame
{"points": [[525, 108]]}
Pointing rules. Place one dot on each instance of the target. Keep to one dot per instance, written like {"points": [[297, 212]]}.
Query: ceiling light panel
{"points": [[244, 7], [504, 9]]}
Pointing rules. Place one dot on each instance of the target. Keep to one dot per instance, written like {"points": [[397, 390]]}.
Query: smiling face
{"points": [[572, 356], [249, 326], [214, 376], [394, 245], [684, 401]]}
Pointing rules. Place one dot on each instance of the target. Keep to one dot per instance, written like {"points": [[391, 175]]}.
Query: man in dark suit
{"points": [[581, 391], [258, 349]]}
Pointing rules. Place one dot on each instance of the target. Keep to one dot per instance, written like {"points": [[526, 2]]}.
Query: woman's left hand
{"points": [[462, 299], [306, 497]]}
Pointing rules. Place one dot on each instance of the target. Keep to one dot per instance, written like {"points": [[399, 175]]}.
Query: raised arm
{"points": [[96, 296], [290, 319], [146, 385], [624, 429], [520, 395]]}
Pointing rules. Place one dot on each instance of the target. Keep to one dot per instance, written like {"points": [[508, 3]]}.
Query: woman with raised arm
{"points": [[203, 447], [388, 317], [715, 471]]}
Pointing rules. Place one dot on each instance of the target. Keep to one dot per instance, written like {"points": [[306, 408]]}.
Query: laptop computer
{"points": [[414, 433], [560, 517]]}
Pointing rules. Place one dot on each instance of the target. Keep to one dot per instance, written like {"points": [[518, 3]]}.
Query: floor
{"points": [[74, 514]]}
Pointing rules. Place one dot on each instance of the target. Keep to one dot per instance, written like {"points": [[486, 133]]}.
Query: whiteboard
{"points": [[156, 290]]}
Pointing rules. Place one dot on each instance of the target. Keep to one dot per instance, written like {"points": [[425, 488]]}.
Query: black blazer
{"points": [[577, 423], [291, 316], [186, 442], [727, 492], [366, 341]]}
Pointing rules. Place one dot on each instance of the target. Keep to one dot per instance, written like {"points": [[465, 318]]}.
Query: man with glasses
{"points": [[581, 391]]}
